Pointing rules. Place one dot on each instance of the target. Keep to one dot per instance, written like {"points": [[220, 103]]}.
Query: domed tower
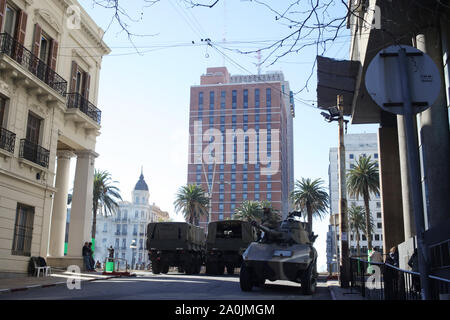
{"points": [[140, 193]]}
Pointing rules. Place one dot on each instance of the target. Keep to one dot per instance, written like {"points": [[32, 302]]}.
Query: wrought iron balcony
{"points": [[7, 140], [23, 56], [34, 153], [77, 101]]}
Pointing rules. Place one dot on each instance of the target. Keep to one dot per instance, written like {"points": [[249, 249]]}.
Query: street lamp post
{"points": [[337, 114], [133, 245]]}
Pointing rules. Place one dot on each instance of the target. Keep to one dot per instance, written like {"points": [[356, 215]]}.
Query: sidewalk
{"points": [[337, 293], [57, 278]]}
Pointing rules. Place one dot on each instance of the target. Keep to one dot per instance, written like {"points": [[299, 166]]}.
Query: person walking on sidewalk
{"points": [[87, 256]]}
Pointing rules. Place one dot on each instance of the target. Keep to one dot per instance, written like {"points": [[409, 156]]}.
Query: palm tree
{"points": [[249, 211], [357, 220], [362, 180], [255, 211], [192, 201], [310, 196], [105, 194]]}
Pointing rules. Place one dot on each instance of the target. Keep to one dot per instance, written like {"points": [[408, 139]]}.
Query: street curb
{"points": [[41, 286]]}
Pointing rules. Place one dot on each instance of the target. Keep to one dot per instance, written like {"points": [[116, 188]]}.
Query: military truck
{"points": [[225, 243], [175, 244], [283, 253]]}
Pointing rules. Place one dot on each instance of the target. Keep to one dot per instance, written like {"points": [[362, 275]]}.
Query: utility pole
{"points": [[344, 271]]}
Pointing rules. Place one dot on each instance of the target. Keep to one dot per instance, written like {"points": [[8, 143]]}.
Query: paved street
{"points": [[172, 286]]}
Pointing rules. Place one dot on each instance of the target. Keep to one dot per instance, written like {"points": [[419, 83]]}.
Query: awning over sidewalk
{"points": [[336, 77]]}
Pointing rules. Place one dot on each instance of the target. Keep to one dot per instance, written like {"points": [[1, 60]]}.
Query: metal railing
{"points": [[383, 281], [77, 101], [15, 50], [7, 140], [34, 153]]}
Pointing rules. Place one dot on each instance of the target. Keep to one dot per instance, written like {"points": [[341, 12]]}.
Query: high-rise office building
{"points": [[356, 145], [241, 140]]}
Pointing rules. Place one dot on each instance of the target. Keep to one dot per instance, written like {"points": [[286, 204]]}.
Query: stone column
{"points": [[59, 214], [408, 218], [434, 140], [81, 212], [390, 188]]}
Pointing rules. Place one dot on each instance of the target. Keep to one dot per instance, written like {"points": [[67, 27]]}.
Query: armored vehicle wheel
{"points": [[261, 282], [211, 268], [198, 267], [189, 268], [220, 269], [165, 268], [230, 269], [156, 267], [309, 281], [245, 279]]}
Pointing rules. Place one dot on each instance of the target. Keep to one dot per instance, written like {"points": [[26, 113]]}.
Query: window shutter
{"points": [[37, 39], [53, 55], [87, 85], [21, 27], [2, 11], [73, 77]]}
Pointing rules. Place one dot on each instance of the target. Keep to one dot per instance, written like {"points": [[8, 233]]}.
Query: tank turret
{"points": [[290, 231]]}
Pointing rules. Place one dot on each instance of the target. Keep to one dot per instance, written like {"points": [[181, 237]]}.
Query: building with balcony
{"points": [[49, 80], [128, 226], [241, 140]]}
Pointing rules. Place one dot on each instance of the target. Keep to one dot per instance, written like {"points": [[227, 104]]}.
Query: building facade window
{"points": [[34, 124], [10, 20], [2, 111], [23, 230]]}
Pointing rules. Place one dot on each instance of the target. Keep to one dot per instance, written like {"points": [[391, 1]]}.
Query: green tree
{"points": [[254, 211], [192, 202], [105, 195], [310, 196], [363, 180], [357, 221], [249, 211]]}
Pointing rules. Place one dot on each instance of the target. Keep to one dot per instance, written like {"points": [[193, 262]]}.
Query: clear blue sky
{"points": [[145, 97]]}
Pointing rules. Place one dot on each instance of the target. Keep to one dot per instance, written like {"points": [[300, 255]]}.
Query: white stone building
{"points": [[356, 145], [49, 80], [128, 226]]}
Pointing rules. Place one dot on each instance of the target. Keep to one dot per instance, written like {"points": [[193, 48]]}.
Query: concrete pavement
{"points": [[337, 293], [173, 286], [57, 278], [165, 287]]}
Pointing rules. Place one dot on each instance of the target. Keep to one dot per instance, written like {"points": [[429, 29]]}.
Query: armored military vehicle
{"points": [[225, 243], [284, 253], [175, 244]]}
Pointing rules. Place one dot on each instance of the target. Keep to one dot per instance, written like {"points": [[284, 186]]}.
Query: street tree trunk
{"points": [[310, 217], [358, 249], [94, 220], [368, 233]]}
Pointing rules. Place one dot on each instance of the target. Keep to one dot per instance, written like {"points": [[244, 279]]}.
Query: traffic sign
{"points": [[383, 80]]}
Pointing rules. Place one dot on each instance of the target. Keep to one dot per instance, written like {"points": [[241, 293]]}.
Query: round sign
{"points": [[383, 79]]}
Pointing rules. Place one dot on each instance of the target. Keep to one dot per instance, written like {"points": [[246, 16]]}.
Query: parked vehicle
{"points": [[284, 253], [175, 244], [225, 244]]}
